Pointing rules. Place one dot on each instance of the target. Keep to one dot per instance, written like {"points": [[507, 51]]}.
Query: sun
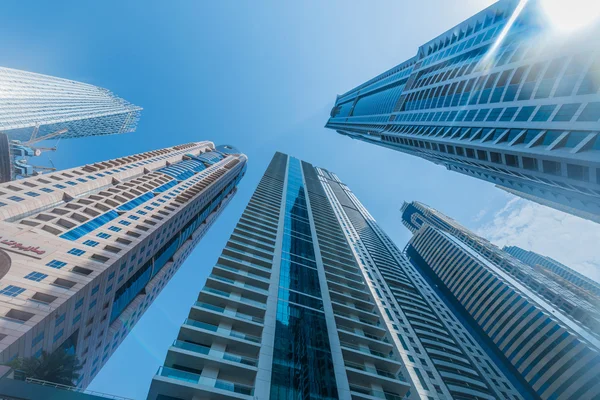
{"points": [[572, 14]]}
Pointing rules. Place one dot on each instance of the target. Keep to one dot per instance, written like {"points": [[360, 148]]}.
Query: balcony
{"points": [[214, 328], [188, 385], [348, 333], [238, 284], [349, 320], [363, 392], [352, 308], [359, 355], [362, 376], [340, 296], [235, 262], [201, 349], [232, 273], [229, 314], [232, 298]]}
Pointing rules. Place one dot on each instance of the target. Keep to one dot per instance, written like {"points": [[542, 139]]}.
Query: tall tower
{"points": [[501, 97], [543, 330], [85, 251], [35, 107], [554, 268], [310, 299]]}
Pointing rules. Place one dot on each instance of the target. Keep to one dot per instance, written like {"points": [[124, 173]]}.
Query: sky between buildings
{"points": [[262, 76]]}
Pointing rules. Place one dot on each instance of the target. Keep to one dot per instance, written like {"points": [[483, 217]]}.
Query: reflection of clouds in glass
{"points": [[568, 239]]}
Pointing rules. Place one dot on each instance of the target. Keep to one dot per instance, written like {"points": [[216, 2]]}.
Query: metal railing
{"points": [[195, 378], [74, 389]]}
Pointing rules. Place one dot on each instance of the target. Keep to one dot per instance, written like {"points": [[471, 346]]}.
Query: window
{"points": [[56, 264], [91, 243], [32, 194], [525, 113], [496, 157], [125, 223], [79, 303], [95, 289], [114, 229], [12, 291], [551, 167], [58, 335], [15, 198], [103, 235], [566, 112], [511, 161], [76, 252], [59, 186], [591, 113], [47, 190], [544, 113], [77, 318], [19, 316], [530, 163], [92, 304], [37, 339], [36, 276], [509, 113], [579, 172], [59, 319]]}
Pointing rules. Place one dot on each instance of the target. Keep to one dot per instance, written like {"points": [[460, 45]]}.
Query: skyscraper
{"points": [[35, 107], [85, 251], [544, 331], [310, 299], [501, 97], [554, 269]]}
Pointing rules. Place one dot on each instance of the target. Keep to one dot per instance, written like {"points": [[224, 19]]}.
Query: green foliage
{"points": [[59, 367]]}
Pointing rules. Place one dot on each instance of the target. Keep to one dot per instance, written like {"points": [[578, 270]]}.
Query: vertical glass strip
{"points": [[302, 362]]}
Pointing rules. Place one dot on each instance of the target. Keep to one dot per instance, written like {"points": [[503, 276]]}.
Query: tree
{"points": [[59, 367]]}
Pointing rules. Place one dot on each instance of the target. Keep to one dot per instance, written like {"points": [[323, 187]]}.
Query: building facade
{"points": [[543, 331], [501, 97], [310, 299], [36, 107], [85, 251], [554, 268]]}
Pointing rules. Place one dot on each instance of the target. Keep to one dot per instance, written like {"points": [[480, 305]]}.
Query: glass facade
{"points": [[520, 110], [302, 363], [35, 106], [544, 329]]}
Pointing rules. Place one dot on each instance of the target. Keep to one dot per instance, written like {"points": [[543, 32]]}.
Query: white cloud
{"points": [[571, 240]]}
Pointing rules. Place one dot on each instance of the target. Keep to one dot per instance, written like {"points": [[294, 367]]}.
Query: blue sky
{"points": [[263, 77]]}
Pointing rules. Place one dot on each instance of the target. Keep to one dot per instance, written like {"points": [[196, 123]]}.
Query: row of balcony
{"points": [[191, 377]]}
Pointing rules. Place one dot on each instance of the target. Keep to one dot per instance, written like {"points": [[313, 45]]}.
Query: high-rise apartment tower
{"points": [[85, 251], [502, 97], [311, 300], [543, 331], [554, 268], [36, 107]]}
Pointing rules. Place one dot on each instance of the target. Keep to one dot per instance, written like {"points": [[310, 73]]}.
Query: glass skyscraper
{"points": [[35, 106], [542, 330], [310, 299], [85, 251], [553, 268], [500, 97]]}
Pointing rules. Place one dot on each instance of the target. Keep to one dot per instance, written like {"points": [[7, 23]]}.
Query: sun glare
{"points": [[571, 15]]}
